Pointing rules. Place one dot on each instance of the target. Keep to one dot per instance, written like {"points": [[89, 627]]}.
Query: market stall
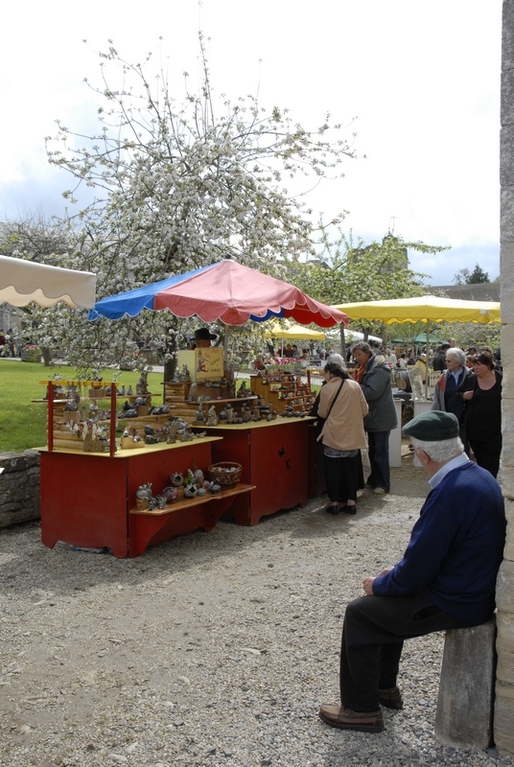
{"points": [[234, 294], [123, 493]]}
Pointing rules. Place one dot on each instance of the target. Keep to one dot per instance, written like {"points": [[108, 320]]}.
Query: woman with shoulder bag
{"points": [[343, 406]]}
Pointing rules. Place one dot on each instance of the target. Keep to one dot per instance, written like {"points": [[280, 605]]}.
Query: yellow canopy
{"points": [[423, 309], [426, 309], [298, 332]]}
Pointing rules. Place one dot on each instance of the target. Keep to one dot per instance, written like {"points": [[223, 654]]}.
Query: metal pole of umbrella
{"points": [[426, 359]]}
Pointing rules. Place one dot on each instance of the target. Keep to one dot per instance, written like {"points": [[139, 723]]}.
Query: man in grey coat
{"points": [[374, 376]]}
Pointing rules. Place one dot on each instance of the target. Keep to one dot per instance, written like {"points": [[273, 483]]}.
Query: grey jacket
{"points": [[376, 387]]}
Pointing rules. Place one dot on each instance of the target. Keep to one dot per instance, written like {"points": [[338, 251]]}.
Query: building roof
{"points": [[481, 291]]}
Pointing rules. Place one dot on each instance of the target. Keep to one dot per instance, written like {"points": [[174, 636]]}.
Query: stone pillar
{"points": [[504, 705], [466, 688]]}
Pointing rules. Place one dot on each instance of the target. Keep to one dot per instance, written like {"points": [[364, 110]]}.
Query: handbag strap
{"points": [[332, 403]]}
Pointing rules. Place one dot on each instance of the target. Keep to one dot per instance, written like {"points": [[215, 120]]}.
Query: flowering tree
{"points": [[177, 187], [356, 272]]}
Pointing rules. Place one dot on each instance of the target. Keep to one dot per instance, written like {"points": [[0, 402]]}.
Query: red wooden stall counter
{"points": [[89, 499], [275, 459]]}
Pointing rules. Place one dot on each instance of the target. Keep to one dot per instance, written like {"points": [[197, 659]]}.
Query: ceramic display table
{"points": [[275, 460], [89, 499]]}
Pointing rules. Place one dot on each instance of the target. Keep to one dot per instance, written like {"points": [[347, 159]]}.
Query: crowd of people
{"points": [[447, 575], [470, 388], [360, 405]]}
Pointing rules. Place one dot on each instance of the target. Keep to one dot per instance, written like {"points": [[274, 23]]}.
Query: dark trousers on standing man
{"points": [[378, 451]]}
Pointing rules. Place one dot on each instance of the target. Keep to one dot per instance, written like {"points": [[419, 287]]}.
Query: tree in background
{"points": [[35, 239], [351, 272], [177, 187], [348, 272], [465, 277]]}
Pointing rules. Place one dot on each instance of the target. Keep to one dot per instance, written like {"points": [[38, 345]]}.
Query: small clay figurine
{"points": [[212, 418], [200, 415], [193, 392], [142, 384]]}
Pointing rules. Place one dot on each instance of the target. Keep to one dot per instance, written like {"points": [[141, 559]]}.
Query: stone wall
{"points": [[504, 705], [19, 487]]}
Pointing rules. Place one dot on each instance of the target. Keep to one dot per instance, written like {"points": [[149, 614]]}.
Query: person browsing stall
{"points": [[374, 377], [445, 580], [343, 406]]}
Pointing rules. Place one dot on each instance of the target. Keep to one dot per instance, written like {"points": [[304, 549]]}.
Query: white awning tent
{"points": [[351, 336], [24, 281]]}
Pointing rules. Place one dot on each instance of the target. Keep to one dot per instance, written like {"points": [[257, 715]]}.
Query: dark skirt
{"points": [[343, 477]]}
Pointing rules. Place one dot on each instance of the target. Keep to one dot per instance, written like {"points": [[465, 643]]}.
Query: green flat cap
{"points": [[433, 426]]}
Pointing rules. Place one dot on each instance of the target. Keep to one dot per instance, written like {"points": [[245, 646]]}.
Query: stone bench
{"points": [[464, 715]]}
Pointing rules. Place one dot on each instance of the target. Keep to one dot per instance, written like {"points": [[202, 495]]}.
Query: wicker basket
{"points": [[225, 473]]}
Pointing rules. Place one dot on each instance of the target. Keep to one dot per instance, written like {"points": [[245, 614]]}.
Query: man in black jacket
{"points": [[439, 360]]}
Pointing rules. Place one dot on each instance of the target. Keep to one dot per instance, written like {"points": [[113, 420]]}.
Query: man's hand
{"points": [[367, 583]]}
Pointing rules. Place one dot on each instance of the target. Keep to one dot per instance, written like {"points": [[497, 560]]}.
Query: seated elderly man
{"points": [[445, 580]]}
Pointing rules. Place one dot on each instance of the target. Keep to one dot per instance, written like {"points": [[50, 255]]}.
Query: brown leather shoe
{"points": [[391, 698], [347, 719]]}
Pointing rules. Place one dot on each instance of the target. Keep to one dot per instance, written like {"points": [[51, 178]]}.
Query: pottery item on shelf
{"points": [[193, 392], [176, 479], [198, 477], [190, 490], [200, 415], [170, 494], [142, 384], [212, 418], [144, 491]]}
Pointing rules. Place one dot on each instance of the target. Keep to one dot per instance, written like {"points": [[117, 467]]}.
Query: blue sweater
{"points": [[456, 547]]}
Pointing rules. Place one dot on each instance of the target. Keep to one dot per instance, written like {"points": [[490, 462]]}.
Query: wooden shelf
{"points": [[188, 503]]}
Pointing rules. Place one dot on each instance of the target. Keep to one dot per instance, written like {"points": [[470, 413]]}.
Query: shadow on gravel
{"points": [[25, 562]]}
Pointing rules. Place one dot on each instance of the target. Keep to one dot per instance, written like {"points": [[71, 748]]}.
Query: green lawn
{"points": [[23, 422]]}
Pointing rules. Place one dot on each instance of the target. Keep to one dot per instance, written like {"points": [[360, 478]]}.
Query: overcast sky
{"points": [[420, 80]]}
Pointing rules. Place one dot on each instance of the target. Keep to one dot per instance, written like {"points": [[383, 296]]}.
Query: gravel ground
{"points": [[211, 649]]}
